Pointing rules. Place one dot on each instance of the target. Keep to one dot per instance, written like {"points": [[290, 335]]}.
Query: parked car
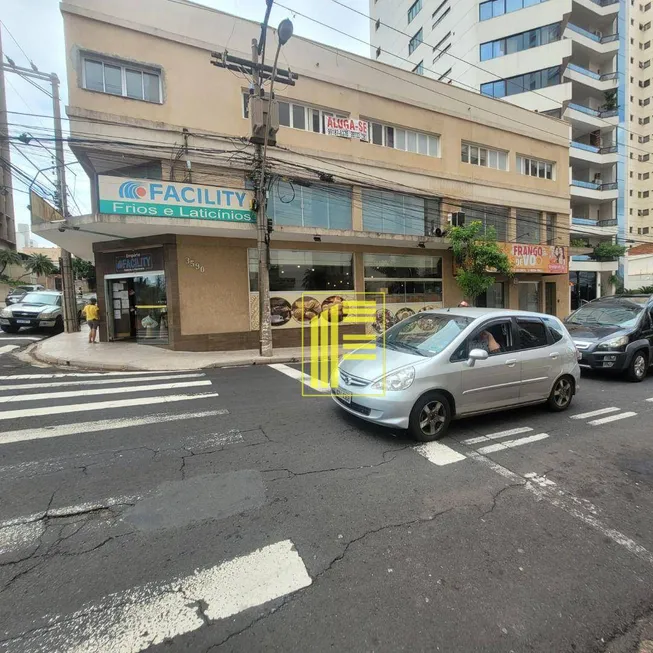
{"points": [[615, 334], [17, 293], [36, 309], [450, 363]]}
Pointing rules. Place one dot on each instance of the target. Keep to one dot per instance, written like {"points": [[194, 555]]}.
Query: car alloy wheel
{"points": [[639, 366], [562, 393], [432, 418]]}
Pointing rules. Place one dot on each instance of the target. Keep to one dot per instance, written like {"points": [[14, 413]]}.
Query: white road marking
{"points": [[596, 413], [19, 338], [145, 616], [438, 453], [102, 405], [19, 536], [612, 418], [134, 379], [7, 348], [298, 375], [509, 444], [101, 391], [101, 425], [499, 435], [26, 377], [568, 503]]}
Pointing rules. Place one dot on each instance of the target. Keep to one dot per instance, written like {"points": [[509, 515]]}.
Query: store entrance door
{"points": [[137, 308]]}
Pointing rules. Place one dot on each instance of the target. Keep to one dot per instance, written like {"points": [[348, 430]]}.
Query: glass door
{"points": [[151, 309], [529, 296]]}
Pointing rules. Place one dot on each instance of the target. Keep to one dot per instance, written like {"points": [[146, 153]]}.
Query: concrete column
{"points": [[357, 209], [599, 284]]}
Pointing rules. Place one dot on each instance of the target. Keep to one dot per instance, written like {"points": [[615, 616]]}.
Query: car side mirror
{"points": [[477, 355]]}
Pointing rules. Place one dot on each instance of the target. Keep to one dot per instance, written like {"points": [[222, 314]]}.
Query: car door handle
{"points": [[511, 362], [554, 355]]}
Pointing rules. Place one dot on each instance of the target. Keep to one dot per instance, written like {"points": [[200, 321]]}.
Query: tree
{"points": [[476, 253], [606, 251], [40, 265], [610, 100], [9, 257], [83, 269]]}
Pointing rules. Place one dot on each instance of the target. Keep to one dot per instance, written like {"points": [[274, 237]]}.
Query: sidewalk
{"points": [[74, 350]]}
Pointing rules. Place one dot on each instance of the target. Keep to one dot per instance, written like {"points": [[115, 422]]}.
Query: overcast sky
{"points": [[33, 30]]}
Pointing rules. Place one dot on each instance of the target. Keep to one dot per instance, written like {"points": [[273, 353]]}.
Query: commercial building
{"points": [[586, 61], [163, 135]]}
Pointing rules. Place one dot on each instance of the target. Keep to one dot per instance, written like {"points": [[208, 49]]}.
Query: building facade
{"points": [[163, 136], [586, 61]]}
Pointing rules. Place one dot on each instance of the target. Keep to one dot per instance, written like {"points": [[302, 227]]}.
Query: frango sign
{"points": [[153, 198]]}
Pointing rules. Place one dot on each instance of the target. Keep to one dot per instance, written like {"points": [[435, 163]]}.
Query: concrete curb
{"points": [[34, 351]]}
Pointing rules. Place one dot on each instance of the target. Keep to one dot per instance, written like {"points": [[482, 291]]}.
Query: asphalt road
{"points": [[223, 511]]}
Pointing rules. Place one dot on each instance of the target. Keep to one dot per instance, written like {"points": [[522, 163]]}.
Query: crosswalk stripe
{"points": [[439, 454], [131, 379], [145, 616], [102, 405], [102, 391], [297, 374], [8, 348], [509, 444], [102, 425], [62, 375], [499, 435], [596, 413], [612, 418]]}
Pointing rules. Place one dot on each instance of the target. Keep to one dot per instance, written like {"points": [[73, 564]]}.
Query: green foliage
{"points": [[610, 100], [83, 269], [578, 242], [9, 257], [476, 253], [607, 252], [40, 265]]}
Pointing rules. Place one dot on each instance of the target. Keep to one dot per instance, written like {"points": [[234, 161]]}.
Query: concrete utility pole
{"points": [[7, 224], [264, 113], [71, 323]]}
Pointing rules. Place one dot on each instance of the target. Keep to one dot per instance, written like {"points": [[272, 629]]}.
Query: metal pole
{"points": [[265, 322], [69, 300], [7, 225]]}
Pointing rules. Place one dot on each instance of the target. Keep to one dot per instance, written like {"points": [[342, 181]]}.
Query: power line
{"points": [[13, 38]]}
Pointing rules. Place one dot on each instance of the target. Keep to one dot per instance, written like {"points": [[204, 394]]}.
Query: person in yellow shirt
{"points": [[92, 314]]}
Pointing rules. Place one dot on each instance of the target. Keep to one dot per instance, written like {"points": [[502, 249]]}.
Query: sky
{"points": [[32, 31]]}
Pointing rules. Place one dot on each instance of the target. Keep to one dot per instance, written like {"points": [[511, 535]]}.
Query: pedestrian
{"points": [[92, 314], [463, 304]]}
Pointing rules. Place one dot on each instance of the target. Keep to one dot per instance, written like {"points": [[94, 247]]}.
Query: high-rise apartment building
{"points": [[584, 61]]}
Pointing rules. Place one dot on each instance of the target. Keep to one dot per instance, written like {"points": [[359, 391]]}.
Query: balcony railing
{"points": [[610, 149], [593, 185], [589, 222], [590, 35], [584, 71], [593, 112], [605, 3], [584, 146]]}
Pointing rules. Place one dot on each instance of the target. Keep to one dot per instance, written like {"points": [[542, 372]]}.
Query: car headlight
{"points": [[615, 343], [399, 380], [6, 312], [45, 314]]}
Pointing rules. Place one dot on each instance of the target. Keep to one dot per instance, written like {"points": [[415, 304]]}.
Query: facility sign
{"points": [[139, 261], [347, 128], [153, 198], [548, 259]]}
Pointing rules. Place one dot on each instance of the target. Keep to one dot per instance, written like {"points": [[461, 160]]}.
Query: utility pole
{"points": [[7, 224], [71, 323], [264, 113]]}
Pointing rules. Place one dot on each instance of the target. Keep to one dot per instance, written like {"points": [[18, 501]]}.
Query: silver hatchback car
{"points": [[439, 365]]}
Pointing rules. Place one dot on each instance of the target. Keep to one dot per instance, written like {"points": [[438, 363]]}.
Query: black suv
{"points": [[615, 334]]}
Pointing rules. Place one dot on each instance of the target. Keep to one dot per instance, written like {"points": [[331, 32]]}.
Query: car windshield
{"points": [[425, 334], [623, 314], [41, 298]]}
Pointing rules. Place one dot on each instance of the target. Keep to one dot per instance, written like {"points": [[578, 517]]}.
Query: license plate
{"points": [[343, 394], [23, 321]]}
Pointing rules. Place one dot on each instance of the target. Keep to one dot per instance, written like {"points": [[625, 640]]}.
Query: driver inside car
{"points": [[486, 341]]}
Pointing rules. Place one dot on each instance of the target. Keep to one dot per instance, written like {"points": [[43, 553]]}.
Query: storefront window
{"points": [[292, 270], [404, 279], [397, 213], [529, 296], [493, 298]]}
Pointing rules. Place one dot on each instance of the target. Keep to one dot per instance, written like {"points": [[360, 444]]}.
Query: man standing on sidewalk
{"points": [[92, 314]]}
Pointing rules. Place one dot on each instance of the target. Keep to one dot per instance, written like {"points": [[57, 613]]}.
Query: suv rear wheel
{"points": [[561, 394], [638, 367]]}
